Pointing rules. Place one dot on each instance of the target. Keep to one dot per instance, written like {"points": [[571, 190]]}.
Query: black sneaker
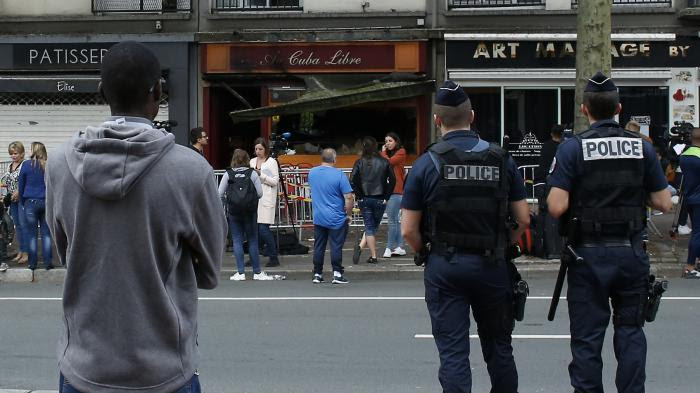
{"points": [[691, 274], [372, 260], [340, 280], [272, 263], [356, 252], [50, 267], [317, 279]]}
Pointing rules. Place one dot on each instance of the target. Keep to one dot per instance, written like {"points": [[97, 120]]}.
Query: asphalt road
{"points": [[296, 337]]}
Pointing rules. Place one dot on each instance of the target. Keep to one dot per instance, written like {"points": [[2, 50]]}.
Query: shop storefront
{"points": [[328, 94], [48, 89], [521, 85]]}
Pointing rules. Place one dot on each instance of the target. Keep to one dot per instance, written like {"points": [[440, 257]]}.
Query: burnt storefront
{"points": [[327, 94]]}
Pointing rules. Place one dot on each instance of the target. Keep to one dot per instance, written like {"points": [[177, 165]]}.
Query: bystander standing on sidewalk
{"points": [[393, 151], [268, 171], [331, 196], [690, 166], [373, 181], [242, 190], [11, 180], [32, 196], [139, 225]]}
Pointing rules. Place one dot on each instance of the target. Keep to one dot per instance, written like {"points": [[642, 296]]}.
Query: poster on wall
{"points": [[644, 123], [527, 151], [683, 90]]}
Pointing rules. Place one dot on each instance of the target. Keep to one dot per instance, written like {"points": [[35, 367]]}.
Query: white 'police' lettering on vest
{"points": [[612, 148], [471, 172]]}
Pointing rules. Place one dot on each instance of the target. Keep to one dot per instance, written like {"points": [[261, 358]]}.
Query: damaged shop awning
{"points": [[320, 100]]}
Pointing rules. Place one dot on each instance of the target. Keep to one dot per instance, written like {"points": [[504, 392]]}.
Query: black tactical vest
{"points": [[468, 212], [609, 199]]}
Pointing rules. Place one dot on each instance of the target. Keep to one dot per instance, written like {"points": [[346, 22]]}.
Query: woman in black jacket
{"points": [[373, 181]]}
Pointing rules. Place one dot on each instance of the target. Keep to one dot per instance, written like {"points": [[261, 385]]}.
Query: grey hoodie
{"points": [[138, 222]]}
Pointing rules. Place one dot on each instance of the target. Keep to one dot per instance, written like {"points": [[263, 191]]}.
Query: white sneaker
{"points": [[398, 251], [262, 276], [3, 267], [675, 199], [237, 277], [684, 230], [387, 253]]}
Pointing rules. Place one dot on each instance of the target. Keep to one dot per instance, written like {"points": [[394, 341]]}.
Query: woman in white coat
{"points": [[268, 171]]}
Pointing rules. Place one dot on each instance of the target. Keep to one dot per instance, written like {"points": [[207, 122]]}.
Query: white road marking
{"points": [[281, 298], [516, 336]]}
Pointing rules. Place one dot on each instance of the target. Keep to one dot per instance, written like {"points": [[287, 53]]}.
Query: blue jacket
{"points": [[31, 181]]}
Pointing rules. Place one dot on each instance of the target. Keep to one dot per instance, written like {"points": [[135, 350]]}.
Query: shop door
{"points": [[528, 117]]}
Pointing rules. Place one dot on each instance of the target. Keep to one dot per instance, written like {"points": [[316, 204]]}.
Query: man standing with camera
{"points": [[690, 167]]}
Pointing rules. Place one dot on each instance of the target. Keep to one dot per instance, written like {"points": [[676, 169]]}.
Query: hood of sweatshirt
{"points": [[108, 160]]}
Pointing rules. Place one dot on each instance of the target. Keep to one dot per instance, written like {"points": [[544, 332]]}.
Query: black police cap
{"points": [[600, 83], [450, 94]]}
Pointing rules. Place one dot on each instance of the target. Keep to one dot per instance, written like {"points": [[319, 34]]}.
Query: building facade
{"points": [[329, 72]]}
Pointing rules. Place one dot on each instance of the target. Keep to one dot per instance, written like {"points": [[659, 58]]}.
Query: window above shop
{"points": [[257, 5], [147, 6], [493, 3], [656, 3]]}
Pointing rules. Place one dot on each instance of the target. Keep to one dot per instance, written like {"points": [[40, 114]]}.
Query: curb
{"points": [[528, 267], [25, 390]]}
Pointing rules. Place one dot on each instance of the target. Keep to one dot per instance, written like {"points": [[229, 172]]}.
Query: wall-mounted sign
{"points": [[684, 52], [682, 95], [69, 56], [48, 85], [315, 58], [527, 151]]}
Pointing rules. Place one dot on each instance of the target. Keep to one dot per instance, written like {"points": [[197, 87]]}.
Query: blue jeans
{"points": [[393, 207], [337, 238], [191, 387], [268, 240], [372, 211], [34, 210], [240, 224], [20, 221]]}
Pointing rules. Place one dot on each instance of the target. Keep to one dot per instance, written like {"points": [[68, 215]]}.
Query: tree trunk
{"points": [[592, 49]]}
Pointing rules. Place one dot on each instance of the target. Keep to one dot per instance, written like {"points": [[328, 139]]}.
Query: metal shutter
{"points": [[50, 124]]}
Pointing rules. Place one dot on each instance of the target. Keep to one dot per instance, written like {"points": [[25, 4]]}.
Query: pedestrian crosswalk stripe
{"points": [[516, 336]]}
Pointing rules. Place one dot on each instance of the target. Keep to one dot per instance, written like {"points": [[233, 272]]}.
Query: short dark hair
{"points": [[558, 130], [128, 75], [455, 116], [601, 105], [195, 134]]}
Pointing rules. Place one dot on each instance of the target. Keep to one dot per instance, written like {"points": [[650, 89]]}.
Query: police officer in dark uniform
{"points": [[601, 182], [457, 198]]}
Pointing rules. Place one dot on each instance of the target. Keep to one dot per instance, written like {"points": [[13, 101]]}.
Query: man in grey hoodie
{"points": [[138, 222]]}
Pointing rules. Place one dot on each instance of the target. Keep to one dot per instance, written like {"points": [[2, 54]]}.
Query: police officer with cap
{"points": [[456, 201], [601, 183]]}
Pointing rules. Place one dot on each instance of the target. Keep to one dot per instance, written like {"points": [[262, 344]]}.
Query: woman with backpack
{"points": [[32, 196], [240, 189], [268, 171], [373, 181], [396, 154]]}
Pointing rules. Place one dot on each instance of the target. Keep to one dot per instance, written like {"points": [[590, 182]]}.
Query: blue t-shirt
{"points": [[328, 185], [568, 164], [690, 166], [422, 180]]}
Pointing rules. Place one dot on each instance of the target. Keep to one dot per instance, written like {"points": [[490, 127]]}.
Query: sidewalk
{"points": [[665, 262]]}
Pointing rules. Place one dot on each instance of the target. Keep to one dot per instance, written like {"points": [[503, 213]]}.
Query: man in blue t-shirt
{"points": [[690, 166], [331, 200]]}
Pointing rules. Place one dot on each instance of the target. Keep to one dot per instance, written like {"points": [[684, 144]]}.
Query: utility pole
{"points": [[592, 49]]}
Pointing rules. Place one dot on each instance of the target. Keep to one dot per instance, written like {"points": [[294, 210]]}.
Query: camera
{"points": [[279, 143], [167, 125], [681, 132]]}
